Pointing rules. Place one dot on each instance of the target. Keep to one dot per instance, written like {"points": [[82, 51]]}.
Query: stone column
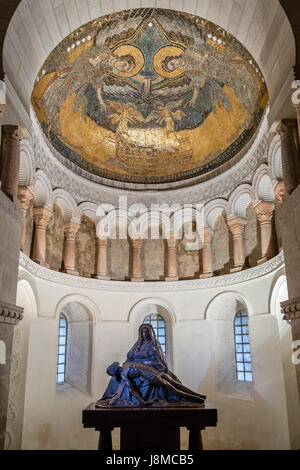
{"points": [[280, 191], [291, 312], [41, 217], [290, 157], [172, 259], [10, 161], [236, 226], [70, 229], [207, 254], [137, 269], [264, 212], [102, 258], [10, 315], [25, 195]]}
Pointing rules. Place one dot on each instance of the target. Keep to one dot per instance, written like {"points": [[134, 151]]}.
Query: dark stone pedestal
{"points": [[150, 428]]}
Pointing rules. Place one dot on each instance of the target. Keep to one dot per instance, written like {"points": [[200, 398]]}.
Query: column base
{"points": [[137, 279], [237, 269], [42, 263], [206, 275], [71, 271], [102, 277], [171, 278]]}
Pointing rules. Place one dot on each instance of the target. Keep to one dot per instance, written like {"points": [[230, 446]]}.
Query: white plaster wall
{"points": [[261, 420]]}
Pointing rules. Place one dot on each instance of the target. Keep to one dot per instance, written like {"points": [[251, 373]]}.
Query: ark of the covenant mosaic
{"points": [[149, 96]]}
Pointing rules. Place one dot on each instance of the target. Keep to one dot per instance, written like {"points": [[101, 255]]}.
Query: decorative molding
{"points": [[10, 314], [243, 276], [291, 309]]}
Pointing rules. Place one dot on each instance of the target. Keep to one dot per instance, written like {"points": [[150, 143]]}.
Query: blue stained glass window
{"points": [[62, 349], [243, 359], [159, 326]]}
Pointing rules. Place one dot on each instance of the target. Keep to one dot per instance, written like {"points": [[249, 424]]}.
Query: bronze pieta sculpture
{"points": [[145, 380]]}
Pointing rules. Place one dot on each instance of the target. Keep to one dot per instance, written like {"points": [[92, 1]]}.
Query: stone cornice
{"points": [[220, 281], [61, 175], [291, 309], [10, 314]]}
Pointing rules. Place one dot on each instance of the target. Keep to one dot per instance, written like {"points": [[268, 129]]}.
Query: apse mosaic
{"points": [[149, 96]]}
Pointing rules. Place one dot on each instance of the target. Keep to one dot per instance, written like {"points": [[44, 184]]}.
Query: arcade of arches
{"points": [[150, 169]]}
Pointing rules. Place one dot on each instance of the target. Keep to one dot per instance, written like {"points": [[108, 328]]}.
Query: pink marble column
{"points": [[42, 216], [137, 269], [207, 254], [10, 161], [102, 273], [70, 229], [172, 259], [264, 212], [236, 226], [280, 191], [290, 158], [25, 196]]}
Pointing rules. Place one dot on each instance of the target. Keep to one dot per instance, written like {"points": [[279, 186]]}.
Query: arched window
{"points": [[159, 326], [243, 359], [62, 349]]}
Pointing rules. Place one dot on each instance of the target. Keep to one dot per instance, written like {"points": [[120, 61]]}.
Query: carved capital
{"points": [[236, 226], [25, 195], [42, 216], [71, 229], [286, 128], [291, 309], [10, 314], [137, 243], [264, 212], [280, 191]]}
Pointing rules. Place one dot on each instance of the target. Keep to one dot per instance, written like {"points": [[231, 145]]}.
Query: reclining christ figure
{"points": [[144, 379]]}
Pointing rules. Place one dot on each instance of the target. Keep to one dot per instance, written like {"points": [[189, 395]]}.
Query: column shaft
{"points": [[207, 254], [137, 269], [25, 196], [70, 229], [236, 226], [42, 216], [264, 212], [172, 259], [102, 259]]}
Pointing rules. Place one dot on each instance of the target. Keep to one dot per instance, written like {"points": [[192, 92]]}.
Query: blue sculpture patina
{"points": [[145, 380]]}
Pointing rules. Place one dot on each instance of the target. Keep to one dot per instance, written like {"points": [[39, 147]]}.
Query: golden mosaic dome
{"points": [[149, 96]]}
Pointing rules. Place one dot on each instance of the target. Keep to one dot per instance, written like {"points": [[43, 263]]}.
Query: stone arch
{"points": [[262, 185], [275, 159], [67, 204], [230, 300], [239, 201], [80, 299], [213, 210], [89, 209], [42, 190], [27, 165]]}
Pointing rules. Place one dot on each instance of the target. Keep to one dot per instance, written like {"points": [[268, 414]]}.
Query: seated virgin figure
{"points": [[145, 380]]}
